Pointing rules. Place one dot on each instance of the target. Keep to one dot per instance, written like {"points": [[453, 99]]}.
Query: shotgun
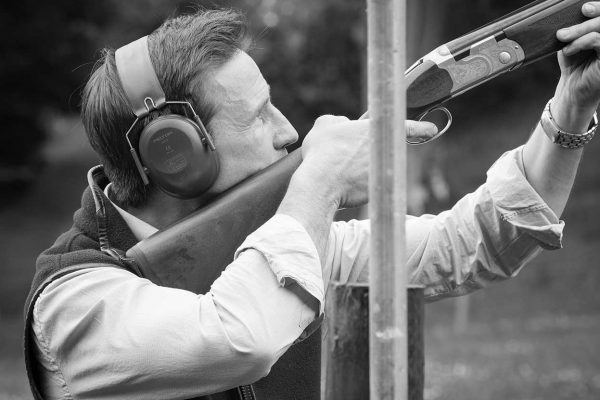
{"points": [[193, 252]]}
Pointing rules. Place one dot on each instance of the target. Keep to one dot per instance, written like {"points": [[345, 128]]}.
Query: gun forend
{"points": [[519, 38]]}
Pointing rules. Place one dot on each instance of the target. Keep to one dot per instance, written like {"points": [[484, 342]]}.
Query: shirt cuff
{"points": [[519, 204], [290, 253]]}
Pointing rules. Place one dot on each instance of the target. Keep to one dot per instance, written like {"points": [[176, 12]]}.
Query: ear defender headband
{"points": [[176, 152]]}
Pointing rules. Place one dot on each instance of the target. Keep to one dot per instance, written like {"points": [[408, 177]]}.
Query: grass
{"points": [[548, 357]]}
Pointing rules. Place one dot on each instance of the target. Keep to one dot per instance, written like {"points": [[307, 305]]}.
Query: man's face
{"points": [[249, 132]]}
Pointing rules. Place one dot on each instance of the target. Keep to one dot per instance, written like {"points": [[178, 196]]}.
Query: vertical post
{"points": [[387, 208], [346, 346], [345, 368]]}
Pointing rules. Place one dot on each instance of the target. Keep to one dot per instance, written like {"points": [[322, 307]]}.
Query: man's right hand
{"points": [[336, 151], [336, 154]]}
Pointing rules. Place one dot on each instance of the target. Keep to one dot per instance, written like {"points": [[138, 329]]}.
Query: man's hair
{"points": [[182, 50]]}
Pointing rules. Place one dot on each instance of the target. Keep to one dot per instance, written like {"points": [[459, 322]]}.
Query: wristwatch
{"points": [[564, 139]]}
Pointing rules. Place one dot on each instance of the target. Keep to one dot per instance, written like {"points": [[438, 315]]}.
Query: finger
{"points": [[328, 119], [420, 129], [590, 10], [591, 41]]}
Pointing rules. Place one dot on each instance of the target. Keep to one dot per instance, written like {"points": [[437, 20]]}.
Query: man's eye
{"points": [[264, 112], [262, 115]]}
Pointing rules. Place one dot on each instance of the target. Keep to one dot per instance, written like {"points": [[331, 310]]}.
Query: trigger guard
{"points": [[440, 133]]}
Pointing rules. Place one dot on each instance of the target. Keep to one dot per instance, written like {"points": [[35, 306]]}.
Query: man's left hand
{"points": [[579, 86]]}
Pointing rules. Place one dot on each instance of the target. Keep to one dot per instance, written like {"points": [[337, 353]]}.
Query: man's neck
{"points": [[163, 210]]}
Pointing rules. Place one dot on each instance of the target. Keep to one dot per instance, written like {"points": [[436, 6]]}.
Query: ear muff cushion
{"points": [[177, 161]]}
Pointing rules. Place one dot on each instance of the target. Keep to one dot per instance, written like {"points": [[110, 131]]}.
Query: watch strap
{"points": [[563, 138]]}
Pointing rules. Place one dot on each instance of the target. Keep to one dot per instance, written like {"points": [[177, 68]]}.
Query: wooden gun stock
{"points": [[192, 253]]}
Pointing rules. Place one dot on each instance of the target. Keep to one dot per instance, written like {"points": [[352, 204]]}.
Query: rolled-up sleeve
{"points": [[488, 236], [291, 254]]}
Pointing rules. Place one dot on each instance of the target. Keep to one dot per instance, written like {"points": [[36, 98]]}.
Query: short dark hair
{"points": [[182, 50]]}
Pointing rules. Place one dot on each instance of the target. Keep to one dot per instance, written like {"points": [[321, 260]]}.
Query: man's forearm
{"points": [[549, 168], [312, 204]]}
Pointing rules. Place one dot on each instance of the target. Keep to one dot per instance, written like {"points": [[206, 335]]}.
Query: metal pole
{"points": [[387, 206]]}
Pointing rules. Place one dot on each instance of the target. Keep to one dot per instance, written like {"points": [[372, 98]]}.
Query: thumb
{"points": [[420, 129]]}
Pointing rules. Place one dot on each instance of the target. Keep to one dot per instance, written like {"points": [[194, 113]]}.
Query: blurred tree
{"points": [[43, 44], [329, 76]]}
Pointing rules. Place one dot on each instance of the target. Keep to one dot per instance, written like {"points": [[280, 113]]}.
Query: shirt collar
{"points": [[140, 229]]}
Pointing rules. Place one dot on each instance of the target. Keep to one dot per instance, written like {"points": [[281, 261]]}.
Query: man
{"points": [[95, 329]]}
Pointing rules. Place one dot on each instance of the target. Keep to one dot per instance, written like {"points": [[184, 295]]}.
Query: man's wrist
{"points": [[313, 203], [561, 137], [319, 184], [570, 115]]}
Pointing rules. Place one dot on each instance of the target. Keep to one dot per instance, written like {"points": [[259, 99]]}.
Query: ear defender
{"points": [[176, 152]]}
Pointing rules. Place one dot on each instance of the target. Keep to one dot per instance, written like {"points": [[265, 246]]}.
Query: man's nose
{"points": [[285, 133]]}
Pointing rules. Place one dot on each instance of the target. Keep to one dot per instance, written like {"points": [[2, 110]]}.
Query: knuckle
{"points": [[323, 118], [329, 119], [581, 29]]}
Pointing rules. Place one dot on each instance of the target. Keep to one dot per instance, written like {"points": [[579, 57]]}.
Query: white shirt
{"points": [[105, 333]]}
